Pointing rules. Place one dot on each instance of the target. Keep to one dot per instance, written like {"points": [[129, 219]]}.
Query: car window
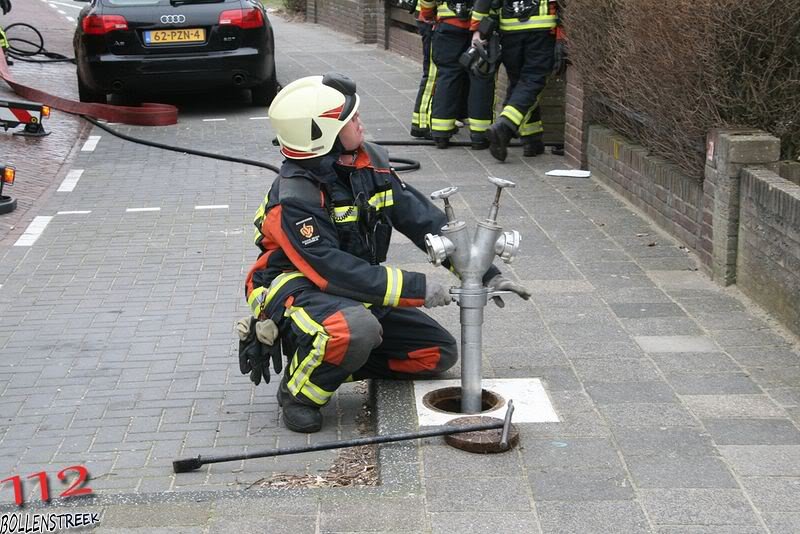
{"points": [[132, 2], [158, 2]]}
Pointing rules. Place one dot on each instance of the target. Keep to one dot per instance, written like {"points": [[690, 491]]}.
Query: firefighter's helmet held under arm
{"points": [[309, 113]]}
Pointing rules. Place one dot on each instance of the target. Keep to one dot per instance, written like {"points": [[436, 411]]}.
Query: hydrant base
{"points": [[483, 441]]}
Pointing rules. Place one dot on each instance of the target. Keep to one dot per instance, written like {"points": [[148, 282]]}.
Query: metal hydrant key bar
{"points": [[190, 464], [471, 258]]}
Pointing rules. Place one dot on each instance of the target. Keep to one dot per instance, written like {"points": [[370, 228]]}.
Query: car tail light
{"points": [[243, 18], [102, 24], [9, 173]]}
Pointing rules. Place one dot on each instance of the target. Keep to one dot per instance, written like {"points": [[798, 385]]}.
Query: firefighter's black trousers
{"points": [[337, 340], [454, 85], [421, 117], [528, 59]]}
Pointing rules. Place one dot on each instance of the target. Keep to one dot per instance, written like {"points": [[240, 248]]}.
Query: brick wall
{"points": [[358, 18], [675, 202], [790, 170], [768, 260], [576, 118]]}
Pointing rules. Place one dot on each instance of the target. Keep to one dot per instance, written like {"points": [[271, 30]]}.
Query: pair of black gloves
{"points": [[5, 5], [259, 343]]}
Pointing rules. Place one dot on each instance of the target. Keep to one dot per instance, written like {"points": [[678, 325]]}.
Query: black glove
{"points": [[5, 5], [560, 58], [254, 356]]}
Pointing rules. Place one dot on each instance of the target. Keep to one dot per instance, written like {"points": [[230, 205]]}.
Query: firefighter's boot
{"points": [[500, 133], [297, 416], [420, 133], [479, 141], [532, 146], [441, 142]]}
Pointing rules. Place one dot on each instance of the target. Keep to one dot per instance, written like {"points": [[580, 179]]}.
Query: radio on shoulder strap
{"points": [[520, 9]]}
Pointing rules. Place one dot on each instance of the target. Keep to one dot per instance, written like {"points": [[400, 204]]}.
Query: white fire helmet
{"points": [[308, 114]]}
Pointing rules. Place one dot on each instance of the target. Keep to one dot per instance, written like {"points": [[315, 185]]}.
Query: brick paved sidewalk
{"points": [[39, 161], [678, 401]]}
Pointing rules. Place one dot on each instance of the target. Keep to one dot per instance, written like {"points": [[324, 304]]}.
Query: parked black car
{"points": [[136, 47]]}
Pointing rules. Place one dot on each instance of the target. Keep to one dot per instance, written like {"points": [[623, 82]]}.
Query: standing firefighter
{"points": [[454, 84], [421, 117], [318, 283], [527, 30]]}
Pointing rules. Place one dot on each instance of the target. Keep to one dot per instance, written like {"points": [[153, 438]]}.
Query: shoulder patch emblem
{"points": [[307, 230]]}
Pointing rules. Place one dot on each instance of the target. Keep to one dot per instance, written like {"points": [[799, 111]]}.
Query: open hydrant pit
{"points": [[448, 400]]}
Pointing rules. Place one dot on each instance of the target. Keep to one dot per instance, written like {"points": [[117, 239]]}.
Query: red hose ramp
{"points": [[148, 114]]}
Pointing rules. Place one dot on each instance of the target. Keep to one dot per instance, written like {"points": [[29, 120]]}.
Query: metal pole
{"points": [[190, 464], [471, 349]]}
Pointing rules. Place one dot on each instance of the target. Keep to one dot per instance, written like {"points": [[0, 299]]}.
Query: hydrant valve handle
{"points": [[441, 194], [501, 183]]}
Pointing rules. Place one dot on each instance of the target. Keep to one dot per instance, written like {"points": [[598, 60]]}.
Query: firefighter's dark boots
{"points": [[500, 134], [479, 141], [420, 133], [297, 416], [441, 142], [532, 146]]}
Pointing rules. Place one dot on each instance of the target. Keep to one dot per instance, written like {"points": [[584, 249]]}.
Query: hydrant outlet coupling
{"points": [[438, 247], [507, 245]]}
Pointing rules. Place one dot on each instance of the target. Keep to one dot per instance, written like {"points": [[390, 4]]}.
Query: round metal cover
{"points": [[482, 441]]}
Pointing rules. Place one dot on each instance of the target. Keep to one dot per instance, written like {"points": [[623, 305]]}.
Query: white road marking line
{"points": [[214, 120], [73, 6], [62, 12], [70, 181], [258, 118], [142, 209], [51, 5], [33, 231], [75, 212], [70, 19], [91, 143], [212, 207]]}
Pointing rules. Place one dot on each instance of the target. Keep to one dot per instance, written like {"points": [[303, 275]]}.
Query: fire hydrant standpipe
{"points": [[470, 258]]}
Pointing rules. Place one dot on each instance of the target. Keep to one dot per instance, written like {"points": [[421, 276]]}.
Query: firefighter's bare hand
{"points": [[436, 295], [476, 37]]}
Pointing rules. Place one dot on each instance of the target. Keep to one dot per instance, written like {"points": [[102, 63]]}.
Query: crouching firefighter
{"points": [[318, 284]]}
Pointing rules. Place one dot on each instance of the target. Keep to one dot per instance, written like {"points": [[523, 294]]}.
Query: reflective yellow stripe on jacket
{"points": [[382, 199], [394, 286], [260, 297], [543, 21]]}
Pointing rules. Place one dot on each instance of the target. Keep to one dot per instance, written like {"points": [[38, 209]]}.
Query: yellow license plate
{"points": [[180, 35]]}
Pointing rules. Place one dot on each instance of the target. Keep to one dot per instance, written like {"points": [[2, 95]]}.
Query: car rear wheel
{"points": [[85, 94], [263, 94]]}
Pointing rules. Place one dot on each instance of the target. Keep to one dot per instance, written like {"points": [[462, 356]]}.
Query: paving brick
{"points": [[483, 522], [702, 507], [752, 431], [680, 472], [630, 392], [763, 460], [712, 384], [580, 485], [623, 517], [473, 494]]}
